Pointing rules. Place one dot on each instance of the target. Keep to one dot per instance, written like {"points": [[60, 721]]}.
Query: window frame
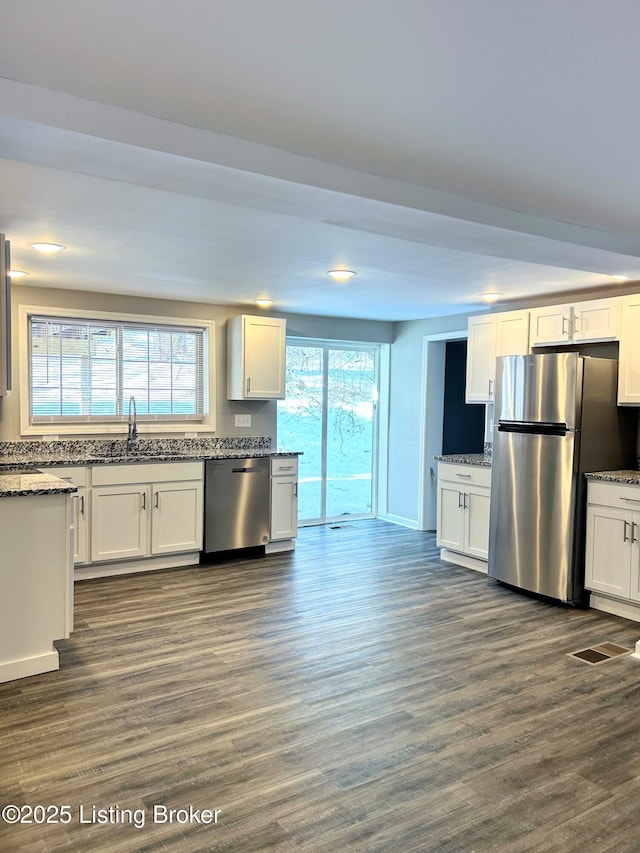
{"points": [[109, 425]]}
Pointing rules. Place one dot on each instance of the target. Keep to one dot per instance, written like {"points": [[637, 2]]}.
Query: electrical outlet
{"points": [[243, 420], [49, 437], [191, 435]]}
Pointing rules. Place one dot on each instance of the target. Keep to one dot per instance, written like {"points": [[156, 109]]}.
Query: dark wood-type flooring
{"points": [[356, 695]]}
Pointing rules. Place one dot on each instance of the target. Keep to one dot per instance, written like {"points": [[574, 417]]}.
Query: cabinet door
{"points": [[550, 325], [481, 359], [629, 363], [477, 522], [264, 357], [451, 517], [284, 508], [81, 513], [177, 517], [608, 551], [512, 333], [119, 522], [596, 320]]}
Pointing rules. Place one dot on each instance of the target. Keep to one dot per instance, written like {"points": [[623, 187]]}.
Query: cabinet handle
{"points": [[81, 504], [576, 327], [633, 500], [491, 381], [248, 384], [633, 527], [144, 500], [295, 490], [460, 503], [565, 321], [157, 500], [465, 502], [624, 535], [466, 476]]}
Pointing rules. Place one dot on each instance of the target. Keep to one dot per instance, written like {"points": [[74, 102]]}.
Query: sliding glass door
{"points": [[330, 415]]}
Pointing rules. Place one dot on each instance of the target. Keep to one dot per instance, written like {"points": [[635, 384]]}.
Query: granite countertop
{"points": [[629, 478], [22, 482], [481, 459], [16, 454], [19, 460], [22, 462]]}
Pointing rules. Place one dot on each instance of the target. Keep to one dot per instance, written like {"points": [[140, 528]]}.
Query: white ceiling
{"points": [[218, 151]]}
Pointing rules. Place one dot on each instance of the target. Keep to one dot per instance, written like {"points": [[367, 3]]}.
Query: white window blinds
{"points": [[86, 370]]}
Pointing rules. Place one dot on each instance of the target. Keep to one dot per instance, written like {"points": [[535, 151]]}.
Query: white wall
{"points": [[263, 412], [408, 464]]}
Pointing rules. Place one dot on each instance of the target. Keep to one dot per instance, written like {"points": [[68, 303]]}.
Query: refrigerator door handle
{"points": [[534, 427]]}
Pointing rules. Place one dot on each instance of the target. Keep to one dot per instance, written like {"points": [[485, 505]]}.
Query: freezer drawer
{"points": [[532, 528]]}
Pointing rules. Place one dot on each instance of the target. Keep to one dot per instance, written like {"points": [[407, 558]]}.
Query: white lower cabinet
{"points": [[177, 517], [463, 514], [119, 522], [146, 509], [284, 499], [79, 476], [612, 554]]}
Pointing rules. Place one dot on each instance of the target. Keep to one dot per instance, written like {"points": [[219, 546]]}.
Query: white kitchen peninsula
{"points": [[36, 572]]}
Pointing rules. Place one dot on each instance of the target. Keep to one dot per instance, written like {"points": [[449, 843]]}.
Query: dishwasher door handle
{"points": [[245, 470]]}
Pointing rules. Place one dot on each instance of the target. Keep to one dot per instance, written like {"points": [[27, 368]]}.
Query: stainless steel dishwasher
{"points": [[236, 503]]}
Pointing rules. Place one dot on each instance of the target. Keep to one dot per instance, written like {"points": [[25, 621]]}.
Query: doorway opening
{"points": [[462, 423]]}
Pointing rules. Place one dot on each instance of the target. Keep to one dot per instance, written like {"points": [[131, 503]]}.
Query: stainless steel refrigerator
{"points": [[555, 419]]}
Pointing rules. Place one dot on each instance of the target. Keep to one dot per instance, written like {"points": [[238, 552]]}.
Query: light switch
{"points": [[243, 420]]}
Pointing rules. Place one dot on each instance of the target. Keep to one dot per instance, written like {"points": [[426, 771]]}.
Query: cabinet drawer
{"points": [[464, 474], [614, 495], [145, 472], [284, 465], [75, 474]]}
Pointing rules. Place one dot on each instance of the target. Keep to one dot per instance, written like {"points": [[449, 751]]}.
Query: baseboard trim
{"points": [[626, 609], [129, 567], [463, 560], [277, 547], [47, 662], [411, 523]]}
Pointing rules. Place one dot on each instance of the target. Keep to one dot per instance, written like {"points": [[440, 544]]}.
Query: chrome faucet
{"points": [[133, 428]]}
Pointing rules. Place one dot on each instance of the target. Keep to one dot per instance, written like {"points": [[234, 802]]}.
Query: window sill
{"points": [[84, 429]]}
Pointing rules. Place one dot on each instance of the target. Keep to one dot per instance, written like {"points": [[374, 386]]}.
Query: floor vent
{"points": [[601, 653]]}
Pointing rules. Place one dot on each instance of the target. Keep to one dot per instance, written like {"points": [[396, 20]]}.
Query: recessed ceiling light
{"points": [[264, 302], [48, 248], [620, 277], [17, 273], [340, 275], [491, 296]]}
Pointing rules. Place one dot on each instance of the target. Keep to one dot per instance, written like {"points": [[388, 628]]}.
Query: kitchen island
{"points": [[36, 571]]}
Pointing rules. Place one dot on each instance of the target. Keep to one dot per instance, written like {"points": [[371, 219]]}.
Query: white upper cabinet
{"points": [[550, 325], [597, 320], [592, 321], [490, 336], [256, 358], [629, 359]]}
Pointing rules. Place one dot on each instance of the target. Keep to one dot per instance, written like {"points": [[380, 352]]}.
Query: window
{"points": [[330, 413], [85, 369]]}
